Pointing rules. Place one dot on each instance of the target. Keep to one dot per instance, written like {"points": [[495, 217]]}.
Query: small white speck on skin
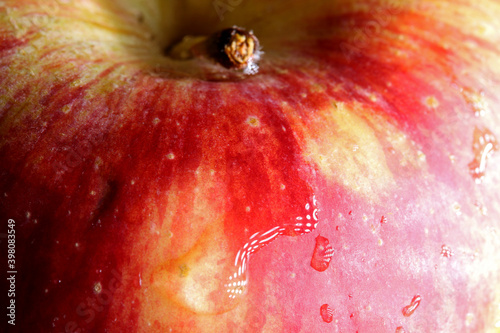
{"points": [[421, 156], [253, 121], [457, 208], [431, 102], [469, 318], [97, 287], [170, 156]]}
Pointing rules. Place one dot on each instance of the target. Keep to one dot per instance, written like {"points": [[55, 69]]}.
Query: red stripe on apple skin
{"points": [[8, 43]]}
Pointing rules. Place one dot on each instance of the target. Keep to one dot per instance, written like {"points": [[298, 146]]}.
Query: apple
{"points": [[347, 181]]}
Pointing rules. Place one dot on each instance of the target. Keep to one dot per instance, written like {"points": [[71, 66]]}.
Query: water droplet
{"points": [[322, 255], [298, 226], [326, 313], [446, 251], [410, 309], [400, 329], [483, 146]]}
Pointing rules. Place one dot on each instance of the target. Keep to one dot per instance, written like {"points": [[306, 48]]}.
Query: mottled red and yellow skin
{"points": [[136, 181]]}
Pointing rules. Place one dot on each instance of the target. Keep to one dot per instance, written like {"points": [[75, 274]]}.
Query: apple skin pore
{"points": [[158, 195]]}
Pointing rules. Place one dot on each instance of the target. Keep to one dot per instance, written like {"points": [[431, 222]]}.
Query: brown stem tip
{"points": [[233, 48]]}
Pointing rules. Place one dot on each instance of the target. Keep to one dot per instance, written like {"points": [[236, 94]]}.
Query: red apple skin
{"points": [[134, 180]]}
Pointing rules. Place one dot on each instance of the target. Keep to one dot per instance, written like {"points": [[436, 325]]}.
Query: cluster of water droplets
{"points": [[484, 144], [303, 223]]}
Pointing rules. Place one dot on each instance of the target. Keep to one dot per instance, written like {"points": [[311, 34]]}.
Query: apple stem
{"points": [[234, 48]]}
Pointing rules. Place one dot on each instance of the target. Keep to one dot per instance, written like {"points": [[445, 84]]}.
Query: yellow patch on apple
{"points": [[357, 162]]}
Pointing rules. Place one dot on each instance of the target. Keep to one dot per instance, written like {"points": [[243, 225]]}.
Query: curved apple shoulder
{"points": [[208, 280]]}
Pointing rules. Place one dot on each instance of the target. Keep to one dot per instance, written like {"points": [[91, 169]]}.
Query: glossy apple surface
{"points": [[350, 186]]}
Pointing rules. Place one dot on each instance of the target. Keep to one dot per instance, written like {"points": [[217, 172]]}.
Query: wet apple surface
{"points": [[350, 185]]}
